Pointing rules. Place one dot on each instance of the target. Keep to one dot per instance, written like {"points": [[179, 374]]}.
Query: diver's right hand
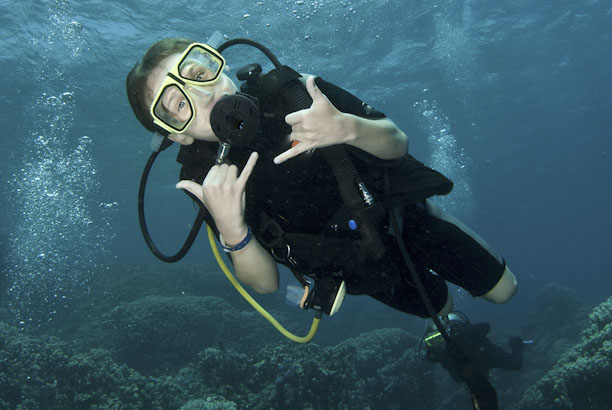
{"points": [[223, 194]]}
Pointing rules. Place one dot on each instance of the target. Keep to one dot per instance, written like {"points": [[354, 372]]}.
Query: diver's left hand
{"points": [[318, 126]]}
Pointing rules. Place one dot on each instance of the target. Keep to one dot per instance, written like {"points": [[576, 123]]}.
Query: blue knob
{"points": [[352, 224]]}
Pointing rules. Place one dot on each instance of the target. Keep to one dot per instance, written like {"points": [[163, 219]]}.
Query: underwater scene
{"points": [[511, 101]]}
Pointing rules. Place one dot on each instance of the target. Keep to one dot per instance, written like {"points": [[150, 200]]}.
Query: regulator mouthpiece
{"points": [[235, 119]]}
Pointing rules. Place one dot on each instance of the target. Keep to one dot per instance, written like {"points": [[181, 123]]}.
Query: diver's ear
{"points": [[181, 139]]}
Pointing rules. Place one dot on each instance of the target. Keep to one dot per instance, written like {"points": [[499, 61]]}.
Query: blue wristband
{"points": [[240, 245]]}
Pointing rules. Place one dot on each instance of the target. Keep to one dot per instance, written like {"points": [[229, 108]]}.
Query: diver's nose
{"points": [[202, 91]]}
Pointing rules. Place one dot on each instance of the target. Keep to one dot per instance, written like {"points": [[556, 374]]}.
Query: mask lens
{"points": [[173, 107], [200, 65]]}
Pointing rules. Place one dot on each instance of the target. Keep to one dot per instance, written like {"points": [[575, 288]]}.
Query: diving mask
{"points": [[198, 67]]}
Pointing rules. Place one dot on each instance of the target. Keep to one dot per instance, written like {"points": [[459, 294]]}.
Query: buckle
{"points": [[287, 256]]}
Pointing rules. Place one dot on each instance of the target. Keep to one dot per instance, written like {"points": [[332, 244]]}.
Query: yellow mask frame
{"points": [[177, 80]]}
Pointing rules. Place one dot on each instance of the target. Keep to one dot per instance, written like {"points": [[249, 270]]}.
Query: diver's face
{"points": [[203, 98]]}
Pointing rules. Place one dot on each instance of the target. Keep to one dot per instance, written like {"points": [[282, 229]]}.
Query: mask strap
{"points": [[215, 39]]}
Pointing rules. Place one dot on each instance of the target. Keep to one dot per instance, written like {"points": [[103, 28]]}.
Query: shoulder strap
{"points": [[367, 213]]}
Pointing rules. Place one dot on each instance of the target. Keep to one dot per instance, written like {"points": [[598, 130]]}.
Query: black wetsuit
{"points": [[473, 341], [301, 196]]}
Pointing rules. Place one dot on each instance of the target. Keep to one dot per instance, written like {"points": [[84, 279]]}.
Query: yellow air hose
{"points": [[253, 302]]}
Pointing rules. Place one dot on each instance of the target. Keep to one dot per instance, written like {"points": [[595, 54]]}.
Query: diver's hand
{"points": [[223, 194], [319, 126]]}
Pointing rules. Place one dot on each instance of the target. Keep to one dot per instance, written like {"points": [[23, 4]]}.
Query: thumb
{"points": [[312, 88], [315, 93], [193, 187]]}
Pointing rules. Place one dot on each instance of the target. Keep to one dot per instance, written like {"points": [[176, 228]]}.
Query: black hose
{"points": [[143, 223], [483, 394], [255, 44]]}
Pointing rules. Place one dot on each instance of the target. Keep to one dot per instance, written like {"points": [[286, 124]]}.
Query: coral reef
{"points": [[45, 372], [582, 378], [375, 371], [555, 326], [210, 403], [157, 338], [157, 334]]}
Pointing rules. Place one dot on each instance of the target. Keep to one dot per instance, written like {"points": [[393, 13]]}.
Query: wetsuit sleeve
{"points": [[348, 103], [410, 179]]}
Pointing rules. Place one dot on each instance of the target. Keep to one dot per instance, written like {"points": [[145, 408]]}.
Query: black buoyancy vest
{"points": [[340, 255]]}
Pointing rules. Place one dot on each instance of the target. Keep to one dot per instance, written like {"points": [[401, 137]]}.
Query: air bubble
{"points": [[67, 96], [53, 101]]}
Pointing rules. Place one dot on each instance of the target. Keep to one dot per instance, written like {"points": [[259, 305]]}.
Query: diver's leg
{"points": [[491, 356], [504, 289], [456, 253], [506, 286], [405, 297]]}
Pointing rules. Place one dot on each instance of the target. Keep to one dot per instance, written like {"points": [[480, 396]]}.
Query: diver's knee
{"points": [[504, 289], [448, 306]]}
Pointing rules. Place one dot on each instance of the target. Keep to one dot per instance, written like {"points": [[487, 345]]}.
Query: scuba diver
{"points": [[295, 170], [314, 188], [473, 341]]}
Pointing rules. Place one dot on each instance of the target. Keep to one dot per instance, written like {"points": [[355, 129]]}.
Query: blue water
{"points": [[509, 99]]}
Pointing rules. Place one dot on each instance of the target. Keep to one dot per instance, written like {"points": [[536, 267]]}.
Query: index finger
{"points": [[294, 151], [247, 170]]}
